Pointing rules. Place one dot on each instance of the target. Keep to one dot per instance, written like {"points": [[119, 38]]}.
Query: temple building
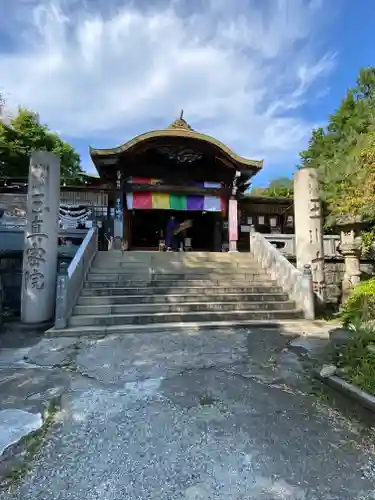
{"points": [[174, 171]]}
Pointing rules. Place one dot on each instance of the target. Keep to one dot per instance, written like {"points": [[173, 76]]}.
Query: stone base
{"points": [[43, 326], [233, 246]]}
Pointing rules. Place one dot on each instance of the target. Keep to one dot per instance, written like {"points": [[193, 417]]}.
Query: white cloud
{"points": [[240, 72]]}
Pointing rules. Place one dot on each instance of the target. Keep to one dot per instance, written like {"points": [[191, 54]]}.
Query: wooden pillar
{"points": [[118, 226], [127, 222], [233, 224], [233, 216], [125, 217]]}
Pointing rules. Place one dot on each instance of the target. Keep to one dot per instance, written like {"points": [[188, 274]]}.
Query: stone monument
{"points": [[308, 222], [41, 239]]}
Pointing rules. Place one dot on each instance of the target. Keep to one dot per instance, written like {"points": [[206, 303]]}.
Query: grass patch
{"points": [[360, 307], [356, 359], [32, 444]]}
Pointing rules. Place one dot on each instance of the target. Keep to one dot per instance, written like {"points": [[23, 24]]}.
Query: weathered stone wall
{"points": [[335, 270], [334, 273]]}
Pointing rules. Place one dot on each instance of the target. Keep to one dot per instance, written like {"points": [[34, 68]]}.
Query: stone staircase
{"points": [[127, 291]]}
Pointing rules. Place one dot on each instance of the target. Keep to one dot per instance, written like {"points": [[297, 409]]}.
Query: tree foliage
{"points": [[280, 187], [23, 135], [344, 153]]}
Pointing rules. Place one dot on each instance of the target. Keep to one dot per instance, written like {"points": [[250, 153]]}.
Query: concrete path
{"points": [[186, 415]]}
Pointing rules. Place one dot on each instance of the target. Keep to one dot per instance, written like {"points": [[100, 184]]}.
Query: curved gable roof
{"points": [[179, 128]]}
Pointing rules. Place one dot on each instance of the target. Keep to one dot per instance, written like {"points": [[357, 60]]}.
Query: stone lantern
{"points": [[350, 249]]}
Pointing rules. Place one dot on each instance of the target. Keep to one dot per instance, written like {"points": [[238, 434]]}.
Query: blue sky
{"points": [[256, 74]]}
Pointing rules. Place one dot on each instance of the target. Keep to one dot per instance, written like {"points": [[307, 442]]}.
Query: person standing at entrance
{"points": [[102, 243], [181, 234], [170, 233]]}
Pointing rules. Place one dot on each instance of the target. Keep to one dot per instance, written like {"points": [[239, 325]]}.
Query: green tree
{"points": [[280, 187], [343, 152], [23, 135]]}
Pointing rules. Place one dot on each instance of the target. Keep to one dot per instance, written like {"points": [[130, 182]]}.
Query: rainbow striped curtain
{"points": [[167, 201], [171, 201]]}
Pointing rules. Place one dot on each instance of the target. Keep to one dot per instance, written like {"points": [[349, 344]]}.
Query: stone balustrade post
{"points": [[307, 274], [309, 309], [61, 297], [251, 232]]}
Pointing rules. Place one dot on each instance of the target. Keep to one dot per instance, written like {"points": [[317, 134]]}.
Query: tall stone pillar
{"points": [[41, 239], [308, 223]]}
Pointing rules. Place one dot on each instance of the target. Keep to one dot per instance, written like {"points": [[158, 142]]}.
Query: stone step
{"points": [[186, 307], [179, 299], [92, 291], [289, 324], [169, 256], [181, 283], [111, 267], [191, 317], [121, 277], [176, 259]]}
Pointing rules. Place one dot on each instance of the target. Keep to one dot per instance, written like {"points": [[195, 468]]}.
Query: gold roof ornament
{"points": [[181, 123]]}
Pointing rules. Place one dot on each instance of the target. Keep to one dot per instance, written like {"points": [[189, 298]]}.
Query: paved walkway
{"points": [[186, 415]]}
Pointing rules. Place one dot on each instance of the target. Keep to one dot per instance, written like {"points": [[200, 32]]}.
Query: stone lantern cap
{"points": [[350, 221], [350, 227]]}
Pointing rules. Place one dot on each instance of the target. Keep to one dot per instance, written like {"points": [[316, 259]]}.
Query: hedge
{"points": [[360, 307]]}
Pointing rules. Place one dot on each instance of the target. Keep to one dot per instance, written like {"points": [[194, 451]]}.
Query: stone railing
{"points": [[331, 244], [70, 280], [297, 284], [12, 238], [285, 244]]}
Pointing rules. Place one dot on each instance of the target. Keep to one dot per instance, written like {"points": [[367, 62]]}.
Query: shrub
{"points": [[356, 359], [360, 307]]}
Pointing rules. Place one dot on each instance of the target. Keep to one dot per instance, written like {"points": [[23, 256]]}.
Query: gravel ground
{"points": [[195, 415]]}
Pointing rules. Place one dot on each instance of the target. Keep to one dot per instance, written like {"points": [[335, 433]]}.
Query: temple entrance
{"points": [[148, 227]]}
